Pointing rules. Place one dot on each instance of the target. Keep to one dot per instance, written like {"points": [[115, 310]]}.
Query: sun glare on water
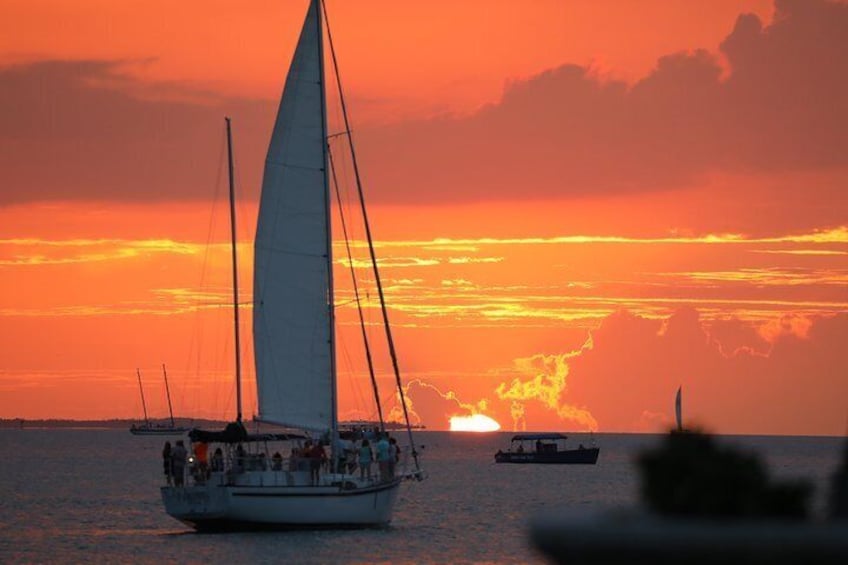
{"points": [[475, 423]]}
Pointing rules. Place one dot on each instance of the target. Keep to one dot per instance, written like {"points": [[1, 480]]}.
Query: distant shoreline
{"points": [[125, 423]]}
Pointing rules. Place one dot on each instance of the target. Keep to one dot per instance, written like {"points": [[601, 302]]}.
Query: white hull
{"points": [[282, 500]]}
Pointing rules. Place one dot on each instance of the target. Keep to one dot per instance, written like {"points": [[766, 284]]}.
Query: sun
{"points": [[473, 423]]}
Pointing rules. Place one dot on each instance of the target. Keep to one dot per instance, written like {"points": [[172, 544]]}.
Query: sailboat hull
{"points": [[226, 507]]}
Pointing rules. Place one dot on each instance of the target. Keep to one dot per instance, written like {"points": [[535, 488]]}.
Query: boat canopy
{"points": [[538, 436], [235, 433]]}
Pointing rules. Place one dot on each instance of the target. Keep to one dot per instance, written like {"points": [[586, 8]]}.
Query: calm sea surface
{"points": [[71, 496]]}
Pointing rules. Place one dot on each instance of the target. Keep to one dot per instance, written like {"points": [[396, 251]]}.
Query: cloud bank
{"points": [[83, 130], [782, 106]]}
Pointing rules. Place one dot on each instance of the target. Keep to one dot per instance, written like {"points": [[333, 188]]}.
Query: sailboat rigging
{"points": [[294, 343]]}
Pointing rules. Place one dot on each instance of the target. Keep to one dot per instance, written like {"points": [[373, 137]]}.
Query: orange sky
{"points": [[579, 206]]}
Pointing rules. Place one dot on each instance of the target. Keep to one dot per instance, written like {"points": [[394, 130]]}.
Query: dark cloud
{"points": [[782, 107], [84, 130], [788, 92]]}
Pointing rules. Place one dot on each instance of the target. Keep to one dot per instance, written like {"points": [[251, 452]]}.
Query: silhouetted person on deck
{"points": [[394, 456], [201, 454], [178, 463], [317, 457], [383, 456], [241, 459], [218, 460], [366, 456], [166, 462]]}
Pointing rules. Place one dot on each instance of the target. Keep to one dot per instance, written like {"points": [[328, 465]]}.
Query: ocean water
{"points": [[92, 496]]}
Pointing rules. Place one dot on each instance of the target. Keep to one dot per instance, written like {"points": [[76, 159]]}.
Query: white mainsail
{"points": [[292, 318]]}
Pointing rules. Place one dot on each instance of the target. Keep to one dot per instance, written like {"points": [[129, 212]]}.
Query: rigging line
{"points": [[356, 390], [168, 394], [389, 339], [356, 291], [196, 342], [341, 344], [143, 403]]}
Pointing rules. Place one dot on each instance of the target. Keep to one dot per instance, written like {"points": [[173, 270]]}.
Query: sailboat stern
{"points": [[196, 505]]}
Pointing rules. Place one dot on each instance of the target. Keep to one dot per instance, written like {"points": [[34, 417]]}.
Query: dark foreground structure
{"points": [[703, 503]]}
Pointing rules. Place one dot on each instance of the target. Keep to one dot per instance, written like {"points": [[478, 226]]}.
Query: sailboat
{"points": [[149, 428], [242, 485]]}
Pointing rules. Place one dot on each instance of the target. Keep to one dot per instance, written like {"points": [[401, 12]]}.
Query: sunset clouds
{"points": [[772, 101], [626, 376], [779, 106], [577, 208]]}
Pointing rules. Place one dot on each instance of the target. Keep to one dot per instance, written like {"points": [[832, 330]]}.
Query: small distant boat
{"points": [[149, 428], [546, 448], [153, 429], [372, 424]]}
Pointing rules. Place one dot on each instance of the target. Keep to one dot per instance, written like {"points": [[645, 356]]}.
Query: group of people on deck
{"points": [[385, 452], [176, 459], [350, 455], [174, 463], [310, 457]]}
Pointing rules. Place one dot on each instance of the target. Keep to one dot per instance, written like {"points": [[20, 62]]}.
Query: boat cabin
{"points": [[538, 442], [545, 447]]}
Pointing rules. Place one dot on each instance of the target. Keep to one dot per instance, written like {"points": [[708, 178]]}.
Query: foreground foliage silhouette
{"points": [[690, 474]]}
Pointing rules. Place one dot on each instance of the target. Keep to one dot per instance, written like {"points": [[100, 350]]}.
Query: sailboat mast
{"points": [[334, 417], [678, 408], [143, 403], [235, 269], [391, 344], [168, 394]]}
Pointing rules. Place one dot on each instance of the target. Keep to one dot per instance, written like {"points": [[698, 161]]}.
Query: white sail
{"points": [[292, 325]]}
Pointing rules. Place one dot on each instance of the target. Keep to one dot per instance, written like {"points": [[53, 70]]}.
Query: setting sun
{"points": [[475, 423]]}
